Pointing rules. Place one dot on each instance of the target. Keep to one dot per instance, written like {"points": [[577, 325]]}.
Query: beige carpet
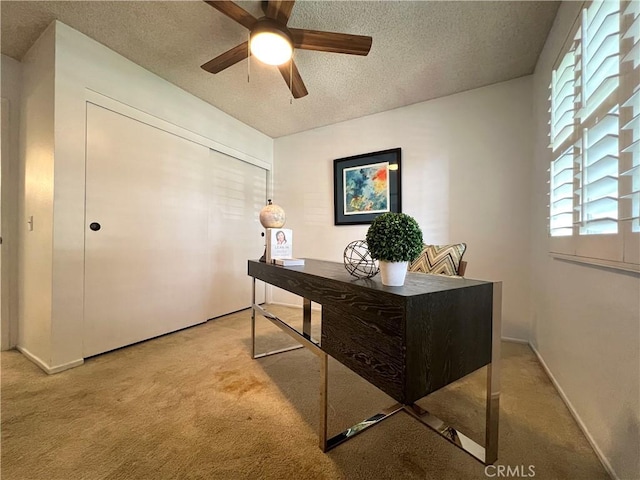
{"points": [[193, 405]]}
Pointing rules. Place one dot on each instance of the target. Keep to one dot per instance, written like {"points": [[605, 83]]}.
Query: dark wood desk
{"points": [[408, 341]]}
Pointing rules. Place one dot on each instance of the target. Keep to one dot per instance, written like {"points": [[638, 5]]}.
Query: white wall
{"points": [[11, 90], [465, 178], [36, 199], [82, 68], [586, 319]]}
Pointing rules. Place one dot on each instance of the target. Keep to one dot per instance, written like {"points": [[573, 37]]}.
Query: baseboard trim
{"points": [[514, 340], [605, 463], [44, 366]]}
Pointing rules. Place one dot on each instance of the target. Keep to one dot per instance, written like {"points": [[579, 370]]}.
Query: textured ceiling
{"points": [[421, 50]]}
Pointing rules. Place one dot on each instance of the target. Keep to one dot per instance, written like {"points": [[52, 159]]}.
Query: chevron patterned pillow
{"points": [[442, 259]]}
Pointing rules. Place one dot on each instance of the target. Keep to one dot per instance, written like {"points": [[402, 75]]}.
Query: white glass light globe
{"points": [[271, 48]]}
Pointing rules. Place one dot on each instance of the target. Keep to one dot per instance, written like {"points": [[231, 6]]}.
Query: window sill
{"points": [[627, 267]]}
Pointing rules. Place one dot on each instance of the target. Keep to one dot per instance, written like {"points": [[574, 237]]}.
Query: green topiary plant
{"points": [[394, 237]]}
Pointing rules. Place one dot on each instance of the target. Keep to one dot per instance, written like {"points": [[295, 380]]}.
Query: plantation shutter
{"points": [[562, 100], [562, 126], [630, 130], [561, 206], [594, 130], [630, 115], [599, 119]]}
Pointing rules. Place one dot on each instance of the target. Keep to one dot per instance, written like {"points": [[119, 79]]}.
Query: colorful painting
{"points": [[366, 189], [366, 186]]}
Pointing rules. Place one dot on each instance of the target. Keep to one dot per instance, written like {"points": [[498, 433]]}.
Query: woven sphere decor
{"points": [[358, 261]]}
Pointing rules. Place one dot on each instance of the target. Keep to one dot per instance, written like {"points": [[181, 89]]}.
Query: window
{"points": [[594, 176]]}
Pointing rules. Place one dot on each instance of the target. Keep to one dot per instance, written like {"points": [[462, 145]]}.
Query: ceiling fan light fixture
{"points": [[270, 44], [273, 43]]}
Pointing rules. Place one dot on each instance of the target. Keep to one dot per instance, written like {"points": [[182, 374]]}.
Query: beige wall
{"points": [[36, 200], [466, 163], [586, 319], [11, 90]]}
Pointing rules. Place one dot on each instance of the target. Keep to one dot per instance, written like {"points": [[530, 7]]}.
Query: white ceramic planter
{"points": [[393, 273]]}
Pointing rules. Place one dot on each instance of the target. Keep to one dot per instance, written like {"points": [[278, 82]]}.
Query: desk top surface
{"points": [[415, 283]]}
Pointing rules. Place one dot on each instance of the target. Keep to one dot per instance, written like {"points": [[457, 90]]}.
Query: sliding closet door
{"points": [[147, 253], [239, 192]]}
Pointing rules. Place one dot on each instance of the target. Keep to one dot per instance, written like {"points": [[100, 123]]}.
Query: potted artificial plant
{"points": [[394, 239]]}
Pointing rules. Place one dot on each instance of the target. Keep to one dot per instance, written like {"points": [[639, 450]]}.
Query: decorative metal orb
{"points": [[358, 261], [272, 216]]}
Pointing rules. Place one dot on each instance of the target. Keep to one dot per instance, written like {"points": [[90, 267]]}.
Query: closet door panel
{"points": [[239, 192], [147, 254]]}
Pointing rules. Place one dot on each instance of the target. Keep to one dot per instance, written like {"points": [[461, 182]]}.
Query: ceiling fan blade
{"points": [[330, 41], [279, 10], [234, 12], [228, 58], [297, 86]]}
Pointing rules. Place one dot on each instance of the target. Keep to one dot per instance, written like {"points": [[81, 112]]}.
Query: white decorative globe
{"points": [[272, 216]]}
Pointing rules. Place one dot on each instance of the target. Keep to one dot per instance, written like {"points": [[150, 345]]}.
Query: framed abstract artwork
{"points": [[365, 186]]}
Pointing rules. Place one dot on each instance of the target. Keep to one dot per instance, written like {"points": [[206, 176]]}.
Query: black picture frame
{"points": [[351, 173]]}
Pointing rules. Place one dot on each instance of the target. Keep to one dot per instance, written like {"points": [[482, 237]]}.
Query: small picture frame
{"points": [[366, 186]]}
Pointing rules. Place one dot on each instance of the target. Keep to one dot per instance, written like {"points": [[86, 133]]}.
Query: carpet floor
{"points": [[194, 405]]}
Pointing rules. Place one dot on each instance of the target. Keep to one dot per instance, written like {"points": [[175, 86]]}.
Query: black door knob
{"points": [[95, 226]]}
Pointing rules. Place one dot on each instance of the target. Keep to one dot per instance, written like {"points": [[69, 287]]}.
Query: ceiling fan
{"points": [[273, 43]]}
